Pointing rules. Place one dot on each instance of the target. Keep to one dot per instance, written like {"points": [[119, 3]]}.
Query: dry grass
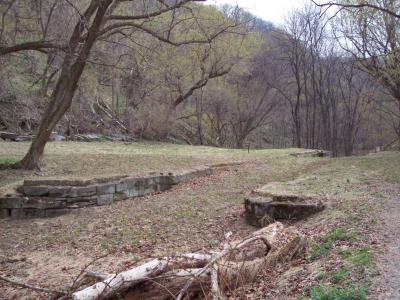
{"points": [[191, 216], [88, 160]]}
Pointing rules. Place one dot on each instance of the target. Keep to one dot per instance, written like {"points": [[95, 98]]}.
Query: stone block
{"points": [[165, 180], [81, 204], [84, 191], [59, 191], [125, 184], [22, 213], [104, 189], [44, 203], [71, 201], [164, 187], [5, 213], [150, 189], [17, 213], [133, 192], [131, 182], [261, 210], [34, 190], [120, 187], [105, 199], [11, 202]]}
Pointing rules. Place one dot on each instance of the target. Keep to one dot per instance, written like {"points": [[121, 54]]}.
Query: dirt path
{"points": [[389, 263]]}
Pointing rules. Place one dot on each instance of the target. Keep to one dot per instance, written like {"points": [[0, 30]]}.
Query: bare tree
{"points": [[375, 5], [99, 20], [369, 32]]}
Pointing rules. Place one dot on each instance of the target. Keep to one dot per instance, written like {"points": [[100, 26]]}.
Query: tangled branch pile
{"points": [[196, 275]]}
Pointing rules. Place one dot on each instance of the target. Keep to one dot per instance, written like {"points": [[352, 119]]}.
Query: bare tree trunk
{"points": [[72, 68]]}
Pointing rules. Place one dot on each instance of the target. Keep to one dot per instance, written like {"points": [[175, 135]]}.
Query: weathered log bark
{"points": [[201, 274], [122, 281]]}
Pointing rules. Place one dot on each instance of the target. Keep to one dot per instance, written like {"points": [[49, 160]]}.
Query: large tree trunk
{"points": [[72, 68]]}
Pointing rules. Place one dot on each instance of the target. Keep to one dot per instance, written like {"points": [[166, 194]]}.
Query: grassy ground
{"points": [[343, 240], [88, 160]]}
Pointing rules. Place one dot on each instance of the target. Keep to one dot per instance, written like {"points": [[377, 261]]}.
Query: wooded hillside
{"points": [[191, 73]]}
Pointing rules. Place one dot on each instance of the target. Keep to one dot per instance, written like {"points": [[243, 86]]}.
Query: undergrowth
{"points": [[323, 248]]}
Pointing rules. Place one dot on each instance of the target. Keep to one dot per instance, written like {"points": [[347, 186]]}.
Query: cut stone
{"points": [[130, 182], [120, 187], [312, 153], [11, 202], [85, 191], [261, 211], [34, 190], [105, 199], [92, 199], [45, 197], [104, 189], [27, 213], [59, 191], [5, 213], [44, 203], [82, 204]]}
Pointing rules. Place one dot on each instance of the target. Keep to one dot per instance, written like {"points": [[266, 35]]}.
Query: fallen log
{"points": [[199, 275]]}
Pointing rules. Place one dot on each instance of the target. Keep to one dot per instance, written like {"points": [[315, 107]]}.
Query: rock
{"points": [[43, 195], [34, 190], [92, 138], [78, 200], [10, 136], [85, 191], [44, 203], [5, 213], [188, 175], [105, 199], [11, 202], [55, 137], [312, 153], [59, 191], [261, 211], [107, 188], [24, 138]]}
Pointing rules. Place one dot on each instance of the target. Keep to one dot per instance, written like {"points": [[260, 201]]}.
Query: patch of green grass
{"points": [[362, 257], [8, 163], [321, 276], [338, 234], [340, 275], [324, 292], [8, 160], [341, 234], [320, 250]]}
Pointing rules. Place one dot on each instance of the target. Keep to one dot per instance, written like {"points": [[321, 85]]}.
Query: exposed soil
{"points": [[190, 217], [196, 215], [388, 285]]}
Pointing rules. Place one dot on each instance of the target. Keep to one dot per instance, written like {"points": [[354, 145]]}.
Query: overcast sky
{"points": [[269, 10]]}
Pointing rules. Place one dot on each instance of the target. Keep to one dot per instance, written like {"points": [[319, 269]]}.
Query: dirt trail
{"points": [[389, 263]]}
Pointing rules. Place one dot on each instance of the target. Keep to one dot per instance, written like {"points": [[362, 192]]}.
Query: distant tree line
{"points": [[186, 72]]}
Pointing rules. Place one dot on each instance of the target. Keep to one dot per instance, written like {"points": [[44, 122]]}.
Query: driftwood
{"points": [[194, 275]]}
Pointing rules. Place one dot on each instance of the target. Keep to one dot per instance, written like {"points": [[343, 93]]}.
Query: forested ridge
{"points": [[143, 141], [185, 72]]}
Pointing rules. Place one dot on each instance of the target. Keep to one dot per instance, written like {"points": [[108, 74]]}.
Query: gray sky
{"points": [[269, 10]]}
